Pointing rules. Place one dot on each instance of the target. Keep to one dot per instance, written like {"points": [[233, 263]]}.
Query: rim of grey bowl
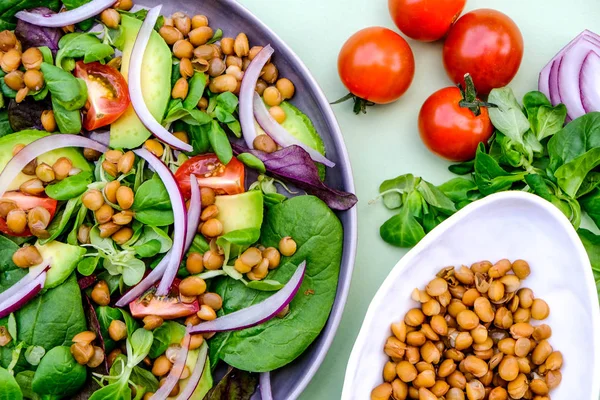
{"points": [[350, 232]]}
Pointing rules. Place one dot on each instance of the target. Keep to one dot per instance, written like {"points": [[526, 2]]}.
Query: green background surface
{"points": [[385, 142]]}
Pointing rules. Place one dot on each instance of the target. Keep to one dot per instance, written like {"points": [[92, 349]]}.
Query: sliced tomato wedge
{"points": [[166, 307], [108, 94], [211, 173], [26, 203]]}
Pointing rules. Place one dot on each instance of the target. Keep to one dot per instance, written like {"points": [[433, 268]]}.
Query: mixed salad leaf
{"points": [[95, 300]]}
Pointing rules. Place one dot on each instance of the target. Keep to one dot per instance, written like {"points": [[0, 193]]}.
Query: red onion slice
{"points": [[179, 212], [568, 76], [70, 17], [589, 82], [280, 135], [163, 392], [192, 384], [135, 84], [194, 211], [265, 386], [33, 273], [247, 90], [24, 294], [258, 313], [554, 93], [543, 83], [37, 148]]}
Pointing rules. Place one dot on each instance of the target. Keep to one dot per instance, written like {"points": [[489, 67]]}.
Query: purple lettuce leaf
{"points": [[293, 164], [94, 325], [36, 36]]}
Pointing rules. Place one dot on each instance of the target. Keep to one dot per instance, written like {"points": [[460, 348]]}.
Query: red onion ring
{"points": [[135, 84], [41, 146], [192, 384], [179, 212], [265, 386], [589, 82], [34, 272], [70, 17], [257, 313], [24, 294], [247, 90], [163, 392], [280, 135], [193, 217]]}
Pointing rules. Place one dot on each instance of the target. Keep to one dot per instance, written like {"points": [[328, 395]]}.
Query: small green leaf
{"points": [[251, 161]]}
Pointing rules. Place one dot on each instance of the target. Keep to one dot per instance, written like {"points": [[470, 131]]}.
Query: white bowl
{"points": [[506, 225]]}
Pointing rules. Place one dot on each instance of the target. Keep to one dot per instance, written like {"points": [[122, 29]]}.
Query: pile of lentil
{"points": [[472, 338]]}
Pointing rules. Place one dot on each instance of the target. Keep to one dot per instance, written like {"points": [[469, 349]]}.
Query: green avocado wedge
{"points": [[64, 259], [8, 142], [128, 132]]}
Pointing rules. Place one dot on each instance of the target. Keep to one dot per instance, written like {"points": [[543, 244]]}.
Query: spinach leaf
{"points": [[251, 161], [60, 221], [88, 265], [491, 177], [9, 388], [591, 204], [67, 121], [266, 285], [148, 249], [220, 143], [68, 91], [165, 335], [197, 84], [60, 308], [508, 117], [591, 242], [548, 191], [70, 187], [199, 138], [151, 204], [81, 45], [72, 237], [574, 140], [570, 176], [7, 249], [154, 234], [463, 168], [318, 233], [192, 116], [59, 374], [402, 230]]}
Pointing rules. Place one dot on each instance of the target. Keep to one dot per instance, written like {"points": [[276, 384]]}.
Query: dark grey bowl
{"points": [[230, 16]]}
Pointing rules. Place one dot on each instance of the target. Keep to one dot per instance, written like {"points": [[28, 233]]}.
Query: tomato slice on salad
{"points": [[108, 94], [26, 203], [223, 179]]}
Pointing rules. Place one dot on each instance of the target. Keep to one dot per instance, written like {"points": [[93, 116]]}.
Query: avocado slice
{"points": [[240, 211], [64, 261], [128, 131], [8, 142], [206, 381], [298, 124]]}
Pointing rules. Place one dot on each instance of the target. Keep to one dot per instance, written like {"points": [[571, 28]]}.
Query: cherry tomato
{"points": [[425, 20], [452, 131], [108, 94], [376, 65], [488, 45], [210, 172], [166, 307], [26, 203]]}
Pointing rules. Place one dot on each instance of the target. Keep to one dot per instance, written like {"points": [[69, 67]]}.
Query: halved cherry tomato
{"points": [[108, 94], [211, 173], [452, 131], [166, 307], [425, 20], [486, 44], [376, 65], [26, 203]]}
